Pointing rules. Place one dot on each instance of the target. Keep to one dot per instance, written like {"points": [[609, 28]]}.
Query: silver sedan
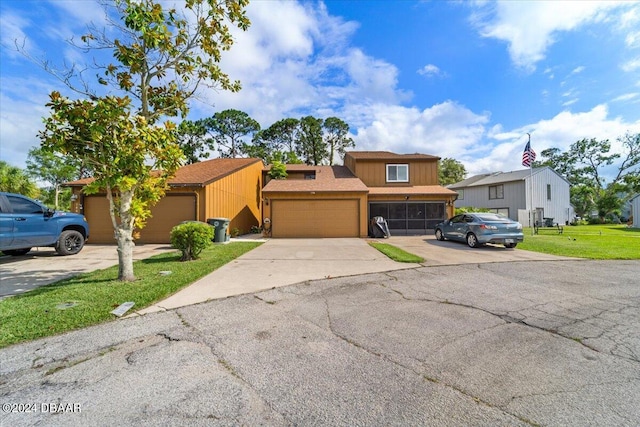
{"points": [[481, 228]]}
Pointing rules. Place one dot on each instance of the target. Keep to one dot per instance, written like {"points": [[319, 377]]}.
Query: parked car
{"points": [[481, 228], [26, 223]]}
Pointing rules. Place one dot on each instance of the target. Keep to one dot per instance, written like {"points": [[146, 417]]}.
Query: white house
{"points": [[518, 194], [635, 211]]}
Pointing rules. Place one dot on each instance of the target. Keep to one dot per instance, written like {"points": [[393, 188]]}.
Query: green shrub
{"points": [[191, 238]]}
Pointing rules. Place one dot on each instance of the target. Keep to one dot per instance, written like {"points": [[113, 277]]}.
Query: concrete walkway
{"points": [[282, 262]]}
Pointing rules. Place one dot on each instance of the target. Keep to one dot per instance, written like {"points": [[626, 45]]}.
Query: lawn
{"points": [[396, 253], [88, 299], [587, 241]]}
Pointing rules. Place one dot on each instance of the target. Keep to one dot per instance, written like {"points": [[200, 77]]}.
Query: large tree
{"points": [[450, 171], [600, 179], [161, 57], [277, 142], [311, 147], [229, 130], [193, 140], [15, 180], [335, 137]]}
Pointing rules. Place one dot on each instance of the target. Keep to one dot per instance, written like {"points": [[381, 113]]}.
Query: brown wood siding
{"points": [[169, 212], [237, 197], [315, 218], [374, 173]]}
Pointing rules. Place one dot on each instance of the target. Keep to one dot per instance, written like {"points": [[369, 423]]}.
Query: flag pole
{"points": [[531, 212]]}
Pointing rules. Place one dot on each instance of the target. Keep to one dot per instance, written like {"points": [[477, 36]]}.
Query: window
{"points": [[548, 191], [460, 194], [496, 192], [397, 173], [310, 175], [23, 206]]}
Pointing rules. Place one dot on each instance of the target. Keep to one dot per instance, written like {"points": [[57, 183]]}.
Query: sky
{"points": [[460, 79]]}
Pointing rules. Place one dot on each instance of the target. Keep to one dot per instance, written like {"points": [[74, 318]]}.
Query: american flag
{"points": [[528, 156]]}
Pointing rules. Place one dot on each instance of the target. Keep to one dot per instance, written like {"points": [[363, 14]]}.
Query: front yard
{"points": [[89, 298]]}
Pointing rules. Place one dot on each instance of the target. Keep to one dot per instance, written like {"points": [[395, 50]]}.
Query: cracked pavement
{"points": [[552, 343]]}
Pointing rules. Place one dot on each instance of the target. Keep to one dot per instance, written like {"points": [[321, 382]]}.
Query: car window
{"points": [[468, 218], [23, 206], [492, 217], [457, 218]]}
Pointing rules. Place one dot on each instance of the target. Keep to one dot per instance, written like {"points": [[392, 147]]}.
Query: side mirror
{"points": [[48, 213]]}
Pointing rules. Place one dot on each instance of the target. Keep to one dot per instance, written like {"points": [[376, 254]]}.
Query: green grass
{"points": [[35, 314], [587, 241], [396, 254]]}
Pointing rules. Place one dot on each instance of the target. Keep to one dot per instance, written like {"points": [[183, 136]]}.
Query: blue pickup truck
{"points": [[26, 223]]}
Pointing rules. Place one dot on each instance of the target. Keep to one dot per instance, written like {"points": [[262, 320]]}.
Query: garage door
{"points": [[315, 218], [169, 212]]}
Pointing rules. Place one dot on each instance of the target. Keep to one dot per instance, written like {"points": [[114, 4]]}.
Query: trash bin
{"points": [[220, 226]]}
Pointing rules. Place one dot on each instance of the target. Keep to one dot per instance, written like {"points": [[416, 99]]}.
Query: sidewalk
{"points": [[282, 262]]}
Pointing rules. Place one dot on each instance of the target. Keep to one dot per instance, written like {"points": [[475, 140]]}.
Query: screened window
{"points": [[397, 173], [496, 192]]}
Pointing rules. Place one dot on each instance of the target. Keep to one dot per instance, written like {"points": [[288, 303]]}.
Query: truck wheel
{"points": [[70, 242], [17, 252]]}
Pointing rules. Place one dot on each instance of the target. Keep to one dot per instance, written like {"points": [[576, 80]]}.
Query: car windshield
{"points": [[492, 217]]}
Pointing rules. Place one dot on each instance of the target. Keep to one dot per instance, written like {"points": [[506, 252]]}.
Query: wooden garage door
{"points": [[315, 218], [169, 212]]}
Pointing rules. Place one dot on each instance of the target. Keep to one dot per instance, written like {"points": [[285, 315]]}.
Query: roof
{"points": [[387, 155], [197, 174], [328, 179], [499, 177], [418, 189]]}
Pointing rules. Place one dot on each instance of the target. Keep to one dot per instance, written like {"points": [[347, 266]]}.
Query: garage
{"points": [[409, 218], [169, 212], [315, 218]]}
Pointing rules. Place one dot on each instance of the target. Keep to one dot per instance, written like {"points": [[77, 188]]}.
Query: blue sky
{"points": [[465, 80]]}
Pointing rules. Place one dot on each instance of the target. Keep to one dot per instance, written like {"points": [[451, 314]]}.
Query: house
{"points": [[517, 193], [635, 211], [339, 201], [217, 188]]}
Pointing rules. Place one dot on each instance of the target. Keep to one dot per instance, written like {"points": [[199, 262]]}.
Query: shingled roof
{"points": [[387, 155], [196, 174], [328, 179]]}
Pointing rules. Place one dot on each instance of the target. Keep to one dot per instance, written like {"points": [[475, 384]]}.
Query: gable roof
{"points": [[328, 179], [500, 178], [387, 155], [196, 174]]}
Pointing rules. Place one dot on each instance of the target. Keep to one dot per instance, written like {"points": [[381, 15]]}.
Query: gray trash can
{"points": [[220, 226]]}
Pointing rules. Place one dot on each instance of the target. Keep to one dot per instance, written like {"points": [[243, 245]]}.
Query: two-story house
{"points": [[339, 201], [519, 194]]}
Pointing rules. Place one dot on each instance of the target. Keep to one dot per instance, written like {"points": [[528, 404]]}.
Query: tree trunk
{"points": [[124, 234]]}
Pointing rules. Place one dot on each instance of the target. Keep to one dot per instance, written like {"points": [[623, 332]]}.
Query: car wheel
{"points": [[472, 240], [70, 242], [439, 235], [510, 245], [17, 252]]}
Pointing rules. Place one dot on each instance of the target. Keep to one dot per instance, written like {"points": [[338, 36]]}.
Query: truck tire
{"points": [[70, 242], [17, 252]]}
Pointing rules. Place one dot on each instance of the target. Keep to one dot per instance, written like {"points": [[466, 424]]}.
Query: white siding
{"points": [[559, 206], [478, 197]]}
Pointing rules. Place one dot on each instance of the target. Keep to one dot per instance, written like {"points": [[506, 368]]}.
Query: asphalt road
{"points": [[552, 343]]}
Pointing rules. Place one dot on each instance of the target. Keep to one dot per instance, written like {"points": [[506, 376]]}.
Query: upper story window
{"points": [[460, 192], [496, 192], [548, 191], [310, 175], [397, 173]]}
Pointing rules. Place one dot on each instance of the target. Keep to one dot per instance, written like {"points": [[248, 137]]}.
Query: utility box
{"points": [[220, 226]]}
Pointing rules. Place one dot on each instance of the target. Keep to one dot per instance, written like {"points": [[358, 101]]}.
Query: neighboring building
{"points": [[217, 188], [339, 201], [635, 211], [512, 194]]}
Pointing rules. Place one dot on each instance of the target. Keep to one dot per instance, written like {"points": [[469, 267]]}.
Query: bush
{"points": [[191, 238]]}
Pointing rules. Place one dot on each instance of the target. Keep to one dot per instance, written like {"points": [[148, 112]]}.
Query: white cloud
{"points": [[430, 70], [626, 97], [530, 28], [578, 70], [631, 65], [13, 32]]}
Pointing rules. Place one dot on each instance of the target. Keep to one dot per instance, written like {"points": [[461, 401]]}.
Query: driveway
{"points": [[553, 343], [42, 266]]}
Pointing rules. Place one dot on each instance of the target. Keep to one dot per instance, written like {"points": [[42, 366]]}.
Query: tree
{"points": [[193, 141], [450, 171], [277, 142], [310, 144], [335, 137], [161, 56], [15, 180], [228, 129], [585, 165], [54, 170]]}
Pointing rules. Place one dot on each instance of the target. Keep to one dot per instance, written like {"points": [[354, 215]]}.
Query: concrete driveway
{"points": [[43, 266], [553, 343]]}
